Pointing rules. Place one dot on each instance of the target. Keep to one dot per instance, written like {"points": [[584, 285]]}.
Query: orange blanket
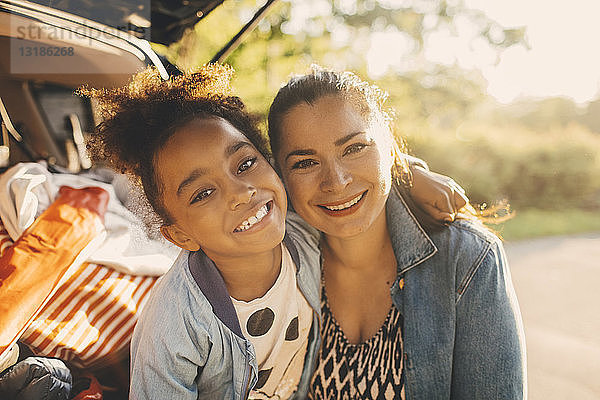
{"points": [[31, 269]]}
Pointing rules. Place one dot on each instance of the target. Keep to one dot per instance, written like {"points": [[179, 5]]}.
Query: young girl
{"points": [[238, 314]]}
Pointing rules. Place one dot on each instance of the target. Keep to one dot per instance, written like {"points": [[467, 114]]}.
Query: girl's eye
{"points": [[303, 164], [247, 164], [203, 194], [354, 148]]}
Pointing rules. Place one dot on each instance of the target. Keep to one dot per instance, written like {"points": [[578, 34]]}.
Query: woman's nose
{"points": [[335, 178]]}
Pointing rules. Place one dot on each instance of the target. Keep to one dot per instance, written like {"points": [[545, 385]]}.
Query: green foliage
{"points": [[546, 113], [530, 223], [591, 118], [550, 169], [441, 100], [296, 34]]}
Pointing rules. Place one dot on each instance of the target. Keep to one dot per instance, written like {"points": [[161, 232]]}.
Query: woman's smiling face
{"points": [[336, 165], [221, 193]]}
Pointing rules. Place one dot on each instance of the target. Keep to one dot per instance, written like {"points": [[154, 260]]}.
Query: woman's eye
{"points": [[303, 164], [203, 194], [247, 164], [354, 148]]}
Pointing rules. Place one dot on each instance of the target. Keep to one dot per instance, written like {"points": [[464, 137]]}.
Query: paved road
{"points": [[558, 284]]}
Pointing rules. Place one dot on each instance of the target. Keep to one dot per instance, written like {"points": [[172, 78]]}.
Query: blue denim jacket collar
{"points": [[417, 246], [211, 283]]}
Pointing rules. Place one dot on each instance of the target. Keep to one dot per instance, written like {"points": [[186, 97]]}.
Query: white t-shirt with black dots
{"points": [[277, 324]]}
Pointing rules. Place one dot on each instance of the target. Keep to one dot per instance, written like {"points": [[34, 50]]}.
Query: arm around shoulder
{"points": [[489, 352], [414, 161]]}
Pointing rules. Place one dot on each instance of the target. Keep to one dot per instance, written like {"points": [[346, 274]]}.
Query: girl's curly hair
{"points": [[139, 118]]}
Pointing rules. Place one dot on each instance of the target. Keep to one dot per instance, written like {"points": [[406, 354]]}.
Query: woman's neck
{"points": [[250, 277], [358, 252]]}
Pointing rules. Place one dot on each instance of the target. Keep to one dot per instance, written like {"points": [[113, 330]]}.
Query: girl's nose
{"points": [[240, 193]]}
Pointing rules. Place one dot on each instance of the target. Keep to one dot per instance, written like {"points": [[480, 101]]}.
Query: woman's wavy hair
{"points": [[140, 117], [368, 99]]}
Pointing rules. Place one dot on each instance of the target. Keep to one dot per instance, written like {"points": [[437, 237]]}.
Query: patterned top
{"points": [[369, 370]]}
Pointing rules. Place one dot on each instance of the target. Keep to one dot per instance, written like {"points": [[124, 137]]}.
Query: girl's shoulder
{"points": [[175, 302]]}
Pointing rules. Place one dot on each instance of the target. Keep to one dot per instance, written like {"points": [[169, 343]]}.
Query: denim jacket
{"points": [[463, 334], [188, 343]]}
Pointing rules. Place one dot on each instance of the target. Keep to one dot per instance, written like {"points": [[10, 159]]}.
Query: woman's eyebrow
{"points": [[344, 139], [301, 152], [310, 152]]}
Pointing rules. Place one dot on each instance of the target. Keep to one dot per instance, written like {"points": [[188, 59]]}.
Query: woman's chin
{"points": [[345, 231]]}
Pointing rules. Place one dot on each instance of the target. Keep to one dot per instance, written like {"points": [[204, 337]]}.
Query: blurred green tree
{"points": [[338, 34]]}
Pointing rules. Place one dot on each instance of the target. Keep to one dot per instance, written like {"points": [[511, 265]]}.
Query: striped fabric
{"points": [[91, 315]]}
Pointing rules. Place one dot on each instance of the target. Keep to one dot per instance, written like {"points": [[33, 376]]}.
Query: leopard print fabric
{"points": [[369, 370]]}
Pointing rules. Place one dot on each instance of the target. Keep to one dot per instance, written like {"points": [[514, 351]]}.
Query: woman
{"points": [[410, 309]]}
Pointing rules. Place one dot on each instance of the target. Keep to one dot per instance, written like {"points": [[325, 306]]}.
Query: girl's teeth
{"points": [[253, 219]]}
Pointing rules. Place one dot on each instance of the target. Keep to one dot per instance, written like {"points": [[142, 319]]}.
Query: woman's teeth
{"points": [[247, 224], [346, 204]]}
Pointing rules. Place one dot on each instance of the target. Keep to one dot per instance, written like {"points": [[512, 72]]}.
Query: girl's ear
{"points": [[179, 238]]}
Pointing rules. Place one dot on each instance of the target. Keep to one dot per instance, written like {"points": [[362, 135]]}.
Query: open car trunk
{"points": [[53, 47]]}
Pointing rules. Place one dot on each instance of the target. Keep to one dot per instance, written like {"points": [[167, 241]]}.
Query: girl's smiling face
{"points": [[336, 165], [221, 193]]}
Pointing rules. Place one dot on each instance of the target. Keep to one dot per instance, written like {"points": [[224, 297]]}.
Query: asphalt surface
{"points": [[557, 281]]}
